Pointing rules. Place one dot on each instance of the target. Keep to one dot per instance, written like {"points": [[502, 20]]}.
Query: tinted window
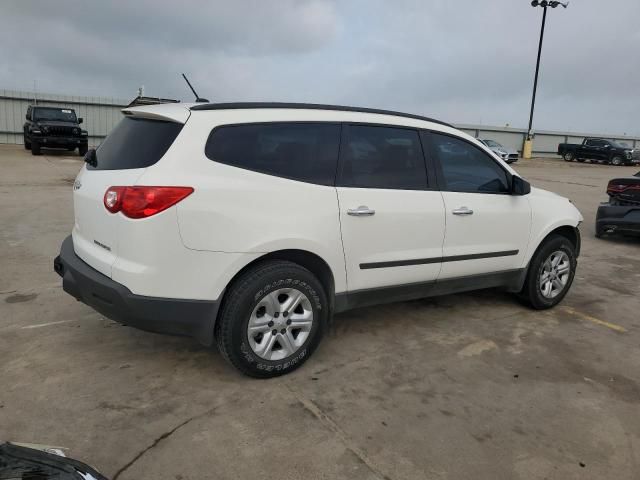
{"points": [[302, 151], [135, 143], [466, 168], [382, 157]]}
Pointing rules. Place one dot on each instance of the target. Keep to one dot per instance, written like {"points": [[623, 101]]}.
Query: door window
{"points": [[382, 157], [466, 168]]}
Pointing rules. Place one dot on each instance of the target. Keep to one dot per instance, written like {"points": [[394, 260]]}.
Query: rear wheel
{"points": [[272, 319], [550, 273], [617, 161], [35, 149], [568, 156]]}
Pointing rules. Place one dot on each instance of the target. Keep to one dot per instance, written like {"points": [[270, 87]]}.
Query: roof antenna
{"points": [[198, 99]]}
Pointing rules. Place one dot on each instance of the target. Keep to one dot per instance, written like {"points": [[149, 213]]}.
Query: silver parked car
{"points": [[507, 154]]}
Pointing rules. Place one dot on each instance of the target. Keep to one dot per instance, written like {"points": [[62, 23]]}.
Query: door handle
{"points": [[361, 211], [462, 211]]}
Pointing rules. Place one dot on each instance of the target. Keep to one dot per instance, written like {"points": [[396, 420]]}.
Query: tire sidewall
{"points": [[554, 244], [568, 157], [238, 345]]}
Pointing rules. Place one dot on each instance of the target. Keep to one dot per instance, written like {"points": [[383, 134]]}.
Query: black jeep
{"points": [[53, 127]]}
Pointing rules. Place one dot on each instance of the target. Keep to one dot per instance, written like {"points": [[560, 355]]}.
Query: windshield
{"points": [[491, 143], [58, 114]]}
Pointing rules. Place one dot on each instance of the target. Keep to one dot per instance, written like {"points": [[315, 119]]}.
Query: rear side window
{"points": [[307, 152], [135, 143], [382, 157], [466, 168]]}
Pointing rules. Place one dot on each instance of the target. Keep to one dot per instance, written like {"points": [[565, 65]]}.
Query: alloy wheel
{"points": [[280, 324], [554, 274]]}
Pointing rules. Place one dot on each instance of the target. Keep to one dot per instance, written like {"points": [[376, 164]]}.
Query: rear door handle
{"points": [[463, 211], [361, 211]]}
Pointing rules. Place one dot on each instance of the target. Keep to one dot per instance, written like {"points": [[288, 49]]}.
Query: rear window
{"points": [[135, 143], [307, 152]]}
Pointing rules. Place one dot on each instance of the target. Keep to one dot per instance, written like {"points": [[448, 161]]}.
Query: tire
{"points": [[568, 156], [82, 150], [599, 232], [532, 293], [27, 143], [35, 148], [617, 161], [259, 296]]}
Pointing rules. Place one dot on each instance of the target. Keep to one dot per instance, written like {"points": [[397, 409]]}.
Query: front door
{"points": [[487, 228], [392, 223]]}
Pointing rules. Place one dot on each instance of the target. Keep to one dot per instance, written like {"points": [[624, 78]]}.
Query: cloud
{"points": [[467, 61]]}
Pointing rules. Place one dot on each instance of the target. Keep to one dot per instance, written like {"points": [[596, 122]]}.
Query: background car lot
{"points": [[464, 386]]}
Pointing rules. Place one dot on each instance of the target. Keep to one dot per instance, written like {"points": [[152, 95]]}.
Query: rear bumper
{"points": [[193, 318], [623, 219]]}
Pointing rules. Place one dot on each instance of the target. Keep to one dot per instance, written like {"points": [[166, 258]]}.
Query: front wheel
{"points": [[568, 156], [617, 161], [82, 150], [35, 148], [551, 272], [272, 319]]}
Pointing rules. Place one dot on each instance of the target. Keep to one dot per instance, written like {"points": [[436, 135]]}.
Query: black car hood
{"points": [[20, 462]]}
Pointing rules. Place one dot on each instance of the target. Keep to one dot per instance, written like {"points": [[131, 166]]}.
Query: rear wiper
{"points": [[91, 158]]}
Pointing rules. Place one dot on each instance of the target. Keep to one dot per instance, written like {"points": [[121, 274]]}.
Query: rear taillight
{"points": [[142, 202], [621, 187]]}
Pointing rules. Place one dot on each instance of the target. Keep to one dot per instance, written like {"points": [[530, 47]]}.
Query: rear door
{"points": [[392, 221], [132, 146], [487, 228]]}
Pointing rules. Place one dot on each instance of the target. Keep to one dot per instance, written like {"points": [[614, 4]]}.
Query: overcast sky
{"points": [[464, 61]]}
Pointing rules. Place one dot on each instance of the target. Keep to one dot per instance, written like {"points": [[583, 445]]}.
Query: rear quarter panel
{"points": [[238, 211]]}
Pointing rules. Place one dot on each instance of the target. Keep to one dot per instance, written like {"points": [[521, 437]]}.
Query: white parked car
{"points": [[250, 225], [507, 154]]}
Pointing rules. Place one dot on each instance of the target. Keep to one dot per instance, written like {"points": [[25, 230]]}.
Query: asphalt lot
{"points": [[458, 387]]}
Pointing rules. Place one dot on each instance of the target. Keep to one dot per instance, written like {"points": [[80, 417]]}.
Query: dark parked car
{"points": [[53, 127], [621, 214], [599, 150]]}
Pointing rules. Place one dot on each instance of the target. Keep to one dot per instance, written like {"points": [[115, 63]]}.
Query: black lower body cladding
{"points": [[193, 318]]}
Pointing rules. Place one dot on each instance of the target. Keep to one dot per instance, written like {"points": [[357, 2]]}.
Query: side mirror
{"points": [[90, 158], [519, 186], [79, 120]]}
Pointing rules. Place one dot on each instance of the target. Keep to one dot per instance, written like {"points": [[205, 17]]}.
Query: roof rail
{"points": [[310, 106]]}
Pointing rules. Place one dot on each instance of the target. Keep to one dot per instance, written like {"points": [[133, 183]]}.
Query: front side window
{"points": [[382, 157], [466, 168], [307, 152]]}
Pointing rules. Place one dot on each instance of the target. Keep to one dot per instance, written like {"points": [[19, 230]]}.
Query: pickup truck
{"points": [[599, 150]]}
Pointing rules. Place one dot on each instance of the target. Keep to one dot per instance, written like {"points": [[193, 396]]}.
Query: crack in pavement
{"points": [[317, 412], [159, 439]]}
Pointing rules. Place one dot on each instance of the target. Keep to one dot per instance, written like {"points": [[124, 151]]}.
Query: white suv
{"points": [[249, 225]]}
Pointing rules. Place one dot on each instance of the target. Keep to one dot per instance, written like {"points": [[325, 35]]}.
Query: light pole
{"points": [[544, 4]]}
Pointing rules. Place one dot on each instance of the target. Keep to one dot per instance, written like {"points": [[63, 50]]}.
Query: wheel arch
{"points": [[570, 232], [311, 261]]}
